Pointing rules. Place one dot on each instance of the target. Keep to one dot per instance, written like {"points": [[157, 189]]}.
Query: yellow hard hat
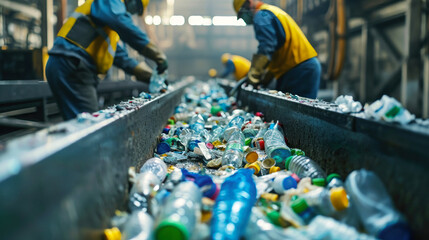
{"points": [[212, 72], [225, 57], [238, 4]]}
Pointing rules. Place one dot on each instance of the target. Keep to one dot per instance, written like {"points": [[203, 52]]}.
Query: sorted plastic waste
{"points": [[219, 172]]}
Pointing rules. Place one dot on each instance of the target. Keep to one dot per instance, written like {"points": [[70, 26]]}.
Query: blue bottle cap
{"points": [[162, 148], [289, 182]]}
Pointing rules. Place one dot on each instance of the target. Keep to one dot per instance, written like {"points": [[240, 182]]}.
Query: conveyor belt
{"points": [[65, 182], [342, 143]]}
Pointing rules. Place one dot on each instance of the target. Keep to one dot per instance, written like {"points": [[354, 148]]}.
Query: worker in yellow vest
{"points": [[283, 52], [235, 64], [88, 45]]}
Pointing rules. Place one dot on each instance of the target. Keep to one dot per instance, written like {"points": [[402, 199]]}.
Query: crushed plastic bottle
{"points": [[233, 126], [275, 146], [140, 195], [376, 210], [327, 202], [303, 166], [157, 82], [390, 110], [233, 155], [156, 166], [138, 227], [233, 206]]}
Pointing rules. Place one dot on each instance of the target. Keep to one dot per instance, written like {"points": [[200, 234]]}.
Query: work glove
{"points": [[257, 68], [152, 52], [142, 72]]}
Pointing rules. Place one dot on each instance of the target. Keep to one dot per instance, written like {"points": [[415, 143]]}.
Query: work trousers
{"points": [[73, 85]]}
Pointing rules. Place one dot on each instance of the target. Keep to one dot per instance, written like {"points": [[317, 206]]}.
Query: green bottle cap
{"points": [[299, 205], [288, 160], [321, 182], [297, 151], [332, 176], [294, 197], [173, 230], [274, 217], [247, 141], [215, 110], [171, 121]]}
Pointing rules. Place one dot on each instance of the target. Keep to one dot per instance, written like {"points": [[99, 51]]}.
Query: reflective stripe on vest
{"points": [[296, 48], [242, 66], [99, 42]]}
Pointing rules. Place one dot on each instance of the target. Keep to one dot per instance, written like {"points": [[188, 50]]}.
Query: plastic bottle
{"points": [[376, 210], [156, 166], [140, 194], [138, 227], [258, 140], [185, 136], [329, 229], [216, 134], [284, 182], [233, 154], [300, 207], [275, 146], [157, 81], [197, 123], [327, 202], [233, 126], [181, 213], [233, 206], [304, 167]]}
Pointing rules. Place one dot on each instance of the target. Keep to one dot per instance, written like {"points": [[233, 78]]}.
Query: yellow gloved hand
{"points": [[152, 52], [142, 72], [257, 68]]}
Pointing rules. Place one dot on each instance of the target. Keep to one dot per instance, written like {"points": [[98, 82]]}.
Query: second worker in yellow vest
{"points": [[235, 64], [283, 52]]}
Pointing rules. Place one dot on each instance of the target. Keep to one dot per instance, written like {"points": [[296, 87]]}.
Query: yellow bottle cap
{"points": [[112, 234], [339, 198], [252, 157], [255, 166], [274, 169], [270, 196]]}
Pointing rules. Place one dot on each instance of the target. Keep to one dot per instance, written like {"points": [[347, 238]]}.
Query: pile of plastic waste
{"points": [[219, 172]]}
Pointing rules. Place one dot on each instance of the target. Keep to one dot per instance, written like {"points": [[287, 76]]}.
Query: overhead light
{"points": [[148, 20], [177, 20], [195, 20], [156, 20], [227, 21], [80, 2]]}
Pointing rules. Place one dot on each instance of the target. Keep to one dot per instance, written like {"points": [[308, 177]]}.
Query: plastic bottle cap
{"points": [[112, 234], [288, 160], [297, 179], [261, 144], [163, 148], [247, 141], [321, 182], [270, 196], [274, 169], [332, 176], [255, 166], [278, 159], [171, 121], [339, 198], [215, 110], [274, 217], [289, 182], [268, 163], [173, 230], [299, 205], [252, 157]]}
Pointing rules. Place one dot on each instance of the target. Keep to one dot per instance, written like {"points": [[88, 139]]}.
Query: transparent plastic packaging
{"points": [[138, 227], [233, 126], [233, 155], [156, 166], [157, 81], [304, 167], [275, 147]]}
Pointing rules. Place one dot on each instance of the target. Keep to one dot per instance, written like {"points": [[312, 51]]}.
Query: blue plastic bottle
{"points": [[233, 206]]}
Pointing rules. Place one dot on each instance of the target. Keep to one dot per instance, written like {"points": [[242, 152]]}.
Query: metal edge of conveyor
{"points": [[65, 182], [342, 143]]}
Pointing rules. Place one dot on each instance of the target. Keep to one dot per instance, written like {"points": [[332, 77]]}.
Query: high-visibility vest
{"points": [[242, 66], [296, 48], [99, 42]]}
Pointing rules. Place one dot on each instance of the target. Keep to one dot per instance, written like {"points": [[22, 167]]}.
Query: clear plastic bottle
{"points": [[283, 182], [157, 81], [140, 194], [233, 154], [197, 123], [375, 207], [233, 126], [181, 213], [304, 167], [216, 134], [233, 206], [185, 136], [258, 140], [156, 166], [329, 229], [327, 202], [275, 146], [138, 227]]}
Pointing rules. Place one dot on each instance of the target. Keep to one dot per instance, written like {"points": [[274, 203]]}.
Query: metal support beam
{"points": [[386, 41], [425, 110], [47, 26], [411, 70], [367, 60]]}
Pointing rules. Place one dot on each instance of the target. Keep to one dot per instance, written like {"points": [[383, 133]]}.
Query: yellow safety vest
{"points": [[99, 42], [296, 48], [242, 66]]}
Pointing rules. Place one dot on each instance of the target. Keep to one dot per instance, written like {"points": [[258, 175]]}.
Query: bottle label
{"points": [[235, 146]]}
